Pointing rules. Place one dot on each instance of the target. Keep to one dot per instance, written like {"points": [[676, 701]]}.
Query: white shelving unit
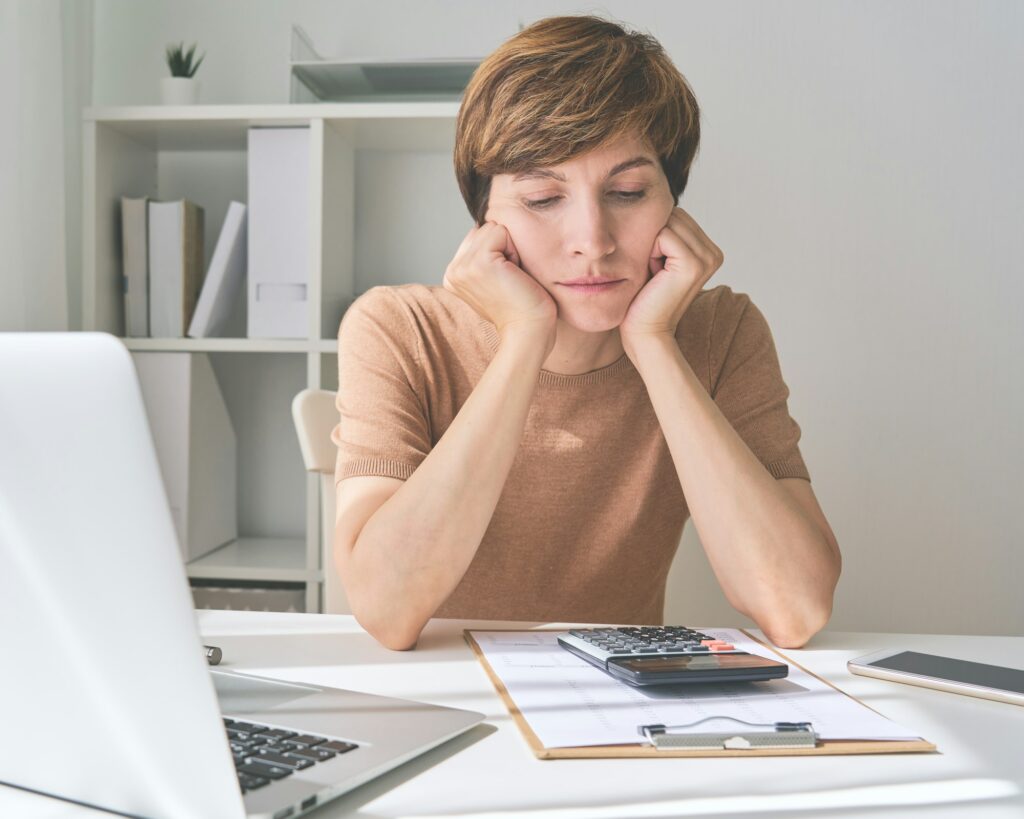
{"points": [[379, 171]]}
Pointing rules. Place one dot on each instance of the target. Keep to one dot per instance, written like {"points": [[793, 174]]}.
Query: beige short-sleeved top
{"points": [[408, 358]]}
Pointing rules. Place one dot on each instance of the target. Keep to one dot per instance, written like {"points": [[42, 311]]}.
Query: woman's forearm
{"points": [[416, 547], [773, 561]]}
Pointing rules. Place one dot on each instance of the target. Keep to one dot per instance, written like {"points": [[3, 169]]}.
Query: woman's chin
{"points": [[592, 321]]}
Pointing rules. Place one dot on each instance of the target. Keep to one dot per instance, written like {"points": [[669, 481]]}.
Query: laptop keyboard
{"points": [[263, 754]]}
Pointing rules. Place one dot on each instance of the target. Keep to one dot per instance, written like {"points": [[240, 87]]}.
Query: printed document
{"points": [[570, 703]]}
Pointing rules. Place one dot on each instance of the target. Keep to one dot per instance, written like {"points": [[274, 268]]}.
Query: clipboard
{"points": [[752, 739]]}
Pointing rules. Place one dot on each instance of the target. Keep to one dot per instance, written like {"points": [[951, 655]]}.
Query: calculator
{"points": [[660, 655]]}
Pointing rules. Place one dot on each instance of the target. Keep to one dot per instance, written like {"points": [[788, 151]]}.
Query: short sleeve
{"points": [[748, 388], [382, 423]]}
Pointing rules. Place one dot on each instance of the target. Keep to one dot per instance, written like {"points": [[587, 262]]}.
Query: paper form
{"points": [[570, 703]]}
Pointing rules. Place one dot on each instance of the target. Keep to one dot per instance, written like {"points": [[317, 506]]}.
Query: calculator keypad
{"points": [[640, 640]]}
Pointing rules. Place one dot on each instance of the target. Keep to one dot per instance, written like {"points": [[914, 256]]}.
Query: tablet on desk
{"points": [[991, 682]]}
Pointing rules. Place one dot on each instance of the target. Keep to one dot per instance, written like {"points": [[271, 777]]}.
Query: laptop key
{"points": [[241, 736], [337, 746], [249, 727], [262, 769], [307, 739], [276, 733], [249, 745], [316, 754], [278, 759], [284, 746], [251, 783]]}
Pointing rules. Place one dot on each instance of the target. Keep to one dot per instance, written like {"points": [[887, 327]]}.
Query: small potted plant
{"points": [[181, 88]]}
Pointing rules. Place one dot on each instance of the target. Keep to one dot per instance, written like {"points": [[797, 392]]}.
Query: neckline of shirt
{"points": [[621, 365]]}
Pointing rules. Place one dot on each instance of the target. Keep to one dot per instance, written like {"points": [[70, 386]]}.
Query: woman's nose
{"points": [[589, 231]]}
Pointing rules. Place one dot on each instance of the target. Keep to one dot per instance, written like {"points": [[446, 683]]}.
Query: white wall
{"points": [[861, 169], [76, 38]]}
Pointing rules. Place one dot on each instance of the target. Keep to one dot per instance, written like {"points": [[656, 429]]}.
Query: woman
{"points": [[527, 441]]}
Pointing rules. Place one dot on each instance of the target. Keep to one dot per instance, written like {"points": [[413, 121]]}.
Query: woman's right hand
{"points": [[485, 274]]}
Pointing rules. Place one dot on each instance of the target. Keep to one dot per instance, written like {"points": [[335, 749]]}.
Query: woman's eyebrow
{"points": [[545, 173]]}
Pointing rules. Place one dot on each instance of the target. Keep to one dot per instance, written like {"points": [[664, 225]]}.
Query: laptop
{"points": [[106, 697]]}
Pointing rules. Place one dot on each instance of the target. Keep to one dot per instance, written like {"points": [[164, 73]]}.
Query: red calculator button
{"points": [[710, 643], [722, 647]]}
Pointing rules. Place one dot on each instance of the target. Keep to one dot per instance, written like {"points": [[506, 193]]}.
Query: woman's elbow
{"points": [[800, 626], [796, 632], [385, 633]]}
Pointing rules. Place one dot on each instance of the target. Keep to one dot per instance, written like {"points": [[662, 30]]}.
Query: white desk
{"points": [[491, 772]]}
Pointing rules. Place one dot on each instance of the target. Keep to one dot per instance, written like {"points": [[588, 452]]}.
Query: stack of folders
{"points": [[265, 243], [166, 292]]}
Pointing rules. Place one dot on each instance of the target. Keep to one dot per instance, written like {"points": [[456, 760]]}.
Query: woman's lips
{"points": [[593, 288]]}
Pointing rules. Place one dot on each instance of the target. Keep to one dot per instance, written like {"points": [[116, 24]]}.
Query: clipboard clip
{"points": [[780, 735]]}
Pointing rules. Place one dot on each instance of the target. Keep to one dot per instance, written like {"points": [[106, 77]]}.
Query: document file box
{"points": [[278, 233]]}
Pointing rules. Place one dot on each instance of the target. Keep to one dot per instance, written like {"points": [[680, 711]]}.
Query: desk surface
{"points": [[491, 772]]}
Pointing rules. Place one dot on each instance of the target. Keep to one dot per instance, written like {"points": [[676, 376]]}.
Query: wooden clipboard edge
{"points": [[524, 727], [829, 747]]}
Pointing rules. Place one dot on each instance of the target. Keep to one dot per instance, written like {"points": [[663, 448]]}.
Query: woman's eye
{"points": [[540, 204], [623, 196], [631, 195]]}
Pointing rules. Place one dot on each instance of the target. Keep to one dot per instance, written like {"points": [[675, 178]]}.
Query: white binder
{"points": [[175, 265], [223, 278], [135, 264], [278, 240]]}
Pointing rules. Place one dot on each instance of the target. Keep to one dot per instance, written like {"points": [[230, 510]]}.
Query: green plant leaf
{"points": [[180, 62]]}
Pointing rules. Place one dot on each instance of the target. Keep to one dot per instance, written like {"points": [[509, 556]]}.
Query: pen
{"points": [[212, 654]]}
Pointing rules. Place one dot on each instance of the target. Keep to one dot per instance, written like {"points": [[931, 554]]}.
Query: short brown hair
{"points": [[566, 85]]}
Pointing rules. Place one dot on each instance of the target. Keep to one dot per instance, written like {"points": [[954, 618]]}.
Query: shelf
{"points": [[380, 161], [428, 126], [276, 113], [222, 345], [255, 559]]}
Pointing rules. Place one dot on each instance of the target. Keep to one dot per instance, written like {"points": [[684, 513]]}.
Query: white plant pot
{"points": [[179, 90]]}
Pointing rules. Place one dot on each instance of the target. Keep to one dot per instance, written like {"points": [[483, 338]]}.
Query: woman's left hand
{"points": [[682, 260]]}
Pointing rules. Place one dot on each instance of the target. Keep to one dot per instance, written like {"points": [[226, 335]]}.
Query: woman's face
{"points": [[595, 215]]}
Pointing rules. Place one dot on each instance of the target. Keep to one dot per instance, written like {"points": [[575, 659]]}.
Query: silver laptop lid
{"points": [[98, 631]]}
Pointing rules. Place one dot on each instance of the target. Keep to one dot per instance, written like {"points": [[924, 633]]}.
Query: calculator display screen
{"points": [[698, 662], [944, 668]]}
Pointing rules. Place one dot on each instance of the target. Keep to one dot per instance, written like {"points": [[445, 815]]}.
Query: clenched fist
{"points": [[485, 274]]}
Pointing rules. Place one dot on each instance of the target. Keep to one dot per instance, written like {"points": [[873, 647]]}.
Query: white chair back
{"points": [[315, 416]]}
